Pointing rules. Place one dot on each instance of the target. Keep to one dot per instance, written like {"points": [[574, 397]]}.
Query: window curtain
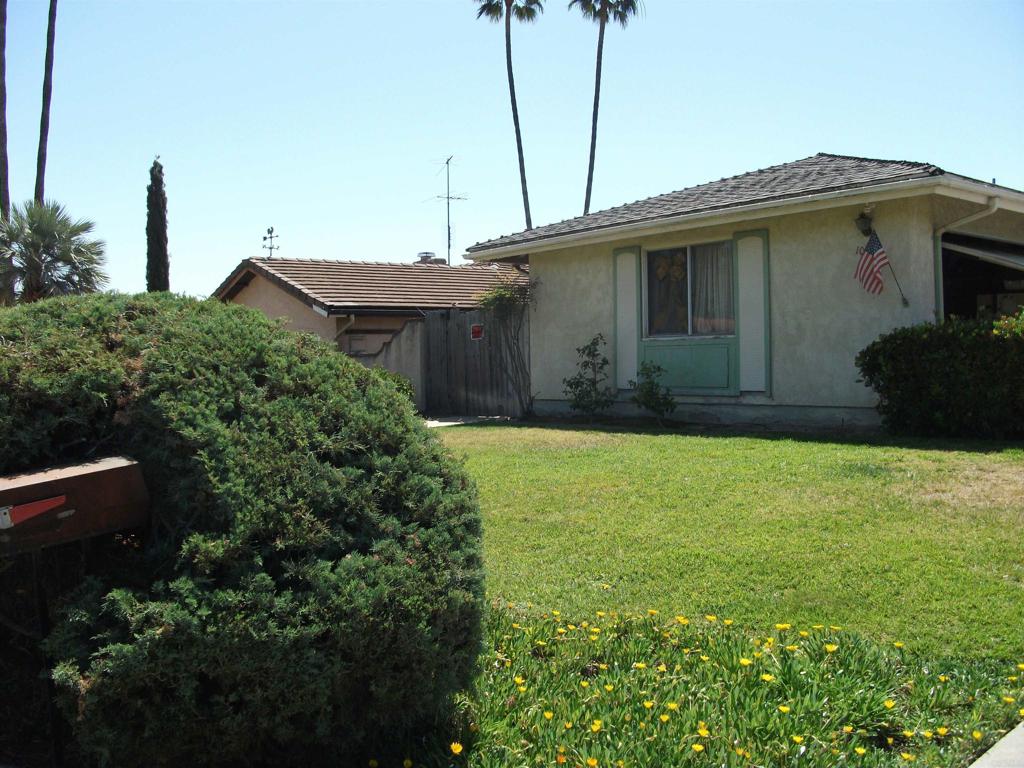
{"points": [[712, 280]]}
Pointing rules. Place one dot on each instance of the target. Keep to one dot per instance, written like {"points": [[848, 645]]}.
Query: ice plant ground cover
{"points": [[609, 689], [915, 541]]}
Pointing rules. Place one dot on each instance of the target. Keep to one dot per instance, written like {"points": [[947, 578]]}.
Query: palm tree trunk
{"points": [[593, 126], [44, 119], [5, 181], [6, 285], [515, 113]]}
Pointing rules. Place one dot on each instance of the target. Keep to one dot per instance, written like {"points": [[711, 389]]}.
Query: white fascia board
{"points": [[960, 188]]}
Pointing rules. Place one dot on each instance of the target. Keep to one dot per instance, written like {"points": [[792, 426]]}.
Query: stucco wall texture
{"points": [[275, 302], [819, 318]]}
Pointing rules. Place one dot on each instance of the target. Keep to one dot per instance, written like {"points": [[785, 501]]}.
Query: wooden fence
{"points": [[467, 376]]}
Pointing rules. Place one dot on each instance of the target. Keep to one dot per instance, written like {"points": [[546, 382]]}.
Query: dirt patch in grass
{"points": [[970, 482]]}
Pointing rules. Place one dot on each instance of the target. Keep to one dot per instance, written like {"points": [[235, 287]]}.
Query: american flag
{"points": [[869, 268]]}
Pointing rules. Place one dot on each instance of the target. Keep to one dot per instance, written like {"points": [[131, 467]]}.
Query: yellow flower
{"points": [[541, 643], [519, 680], [943, 678], [548, 715], [889, 703], [745, 662], [602, 667], [584, 684], [407, 763], [908, 757], [783, 627], [758, 654], [792, 648], [1021, 666], [609, 687], [908, 734], [663, 718], [897, 644], [1008, 699], [606, 586], [859, 750], [831, 648], [711, 617], [804, 633], [783, 709], [767, 677], [592, 762], [942, 730], [522, 689], [682, 620], [697, 747], [727, 622], [703, 731], [834, 628], [600, 614], [1021, 711], [817, 626], [560, 759], [648, 704], [662, 668], [926, 734], [672, 706], [798, 739], [595, 727], [639, 665], [456, 748], [847, 729], [560, 630], [976, 735]]}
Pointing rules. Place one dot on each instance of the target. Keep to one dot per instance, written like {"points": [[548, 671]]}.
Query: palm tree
{"points": [[44, 117], [601, 11], [43, 252], [521, 10]]}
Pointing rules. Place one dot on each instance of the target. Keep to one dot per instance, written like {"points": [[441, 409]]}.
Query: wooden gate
{"points": [[470, 369]]}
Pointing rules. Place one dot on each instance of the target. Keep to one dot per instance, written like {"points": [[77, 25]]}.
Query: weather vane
{"points": [[269, 237]]}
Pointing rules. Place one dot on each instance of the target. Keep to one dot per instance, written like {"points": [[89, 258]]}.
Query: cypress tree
{"points": [[158, 268]]}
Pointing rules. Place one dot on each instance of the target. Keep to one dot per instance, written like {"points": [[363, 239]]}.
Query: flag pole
{"points": [[899, 287]]}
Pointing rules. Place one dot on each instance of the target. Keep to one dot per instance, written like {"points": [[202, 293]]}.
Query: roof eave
{"points": [[948, 184]]}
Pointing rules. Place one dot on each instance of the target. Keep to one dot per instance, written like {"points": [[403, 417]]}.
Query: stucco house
{"points": [[373, 311], [743, 289]]}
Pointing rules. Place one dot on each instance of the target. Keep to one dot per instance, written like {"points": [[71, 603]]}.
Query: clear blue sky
{"points": [[329, 120]]}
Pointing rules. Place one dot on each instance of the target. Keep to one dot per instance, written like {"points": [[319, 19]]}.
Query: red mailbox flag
{"points": [[476, 331]]}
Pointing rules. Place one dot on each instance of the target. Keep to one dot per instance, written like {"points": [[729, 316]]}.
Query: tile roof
{"points": [[813, 175], [340, 287]]}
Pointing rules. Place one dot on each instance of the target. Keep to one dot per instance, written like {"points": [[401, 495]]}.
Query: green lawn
{"points": [[911, 542]]}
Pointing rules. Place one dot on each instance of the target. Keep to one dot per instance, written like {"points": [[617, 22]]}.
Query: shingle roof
{"points": [[344, 286], [812, 175]]}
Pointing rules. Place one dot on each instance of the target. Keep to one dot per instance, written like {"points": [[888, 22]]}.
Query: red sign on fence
{"points": [[476, 331]]}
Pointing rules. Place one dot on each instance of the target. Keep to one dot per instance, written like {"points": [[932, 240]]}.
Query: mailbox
{"points": [[63, 504]]}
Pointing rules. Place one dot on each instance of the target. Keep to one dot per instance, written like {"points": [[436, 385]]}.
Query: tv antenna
{"points": [[269, 238], [448, 197]]}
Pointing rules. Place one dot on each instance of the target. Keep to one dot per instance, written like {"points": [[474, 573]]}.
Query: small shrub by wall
{"points": [[311, 584], [960, 378]]}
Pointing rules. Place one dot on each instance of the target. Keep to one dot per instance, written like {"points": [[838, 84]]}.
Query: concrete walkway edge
{"points": [[1008, 752]]}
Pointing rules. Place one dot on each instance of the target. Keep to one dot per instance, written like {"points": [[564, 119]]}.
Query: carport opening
{"points": [[981, 278]]}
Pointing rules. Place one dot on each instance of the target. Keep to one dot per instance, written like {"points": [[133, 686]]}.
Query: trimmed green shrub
{"points": [[586, 390], [961, 378], [310, 587], [650, 394], [399, 382]]}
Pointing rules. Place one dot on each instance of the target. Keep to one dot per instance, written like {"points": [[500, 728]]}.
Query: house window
{"points": [[690, 291]]}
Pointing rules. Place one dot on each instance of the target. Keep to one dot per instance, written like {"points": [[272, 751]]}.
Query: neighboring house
{"points": [[743, 289], [371, 310]]}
